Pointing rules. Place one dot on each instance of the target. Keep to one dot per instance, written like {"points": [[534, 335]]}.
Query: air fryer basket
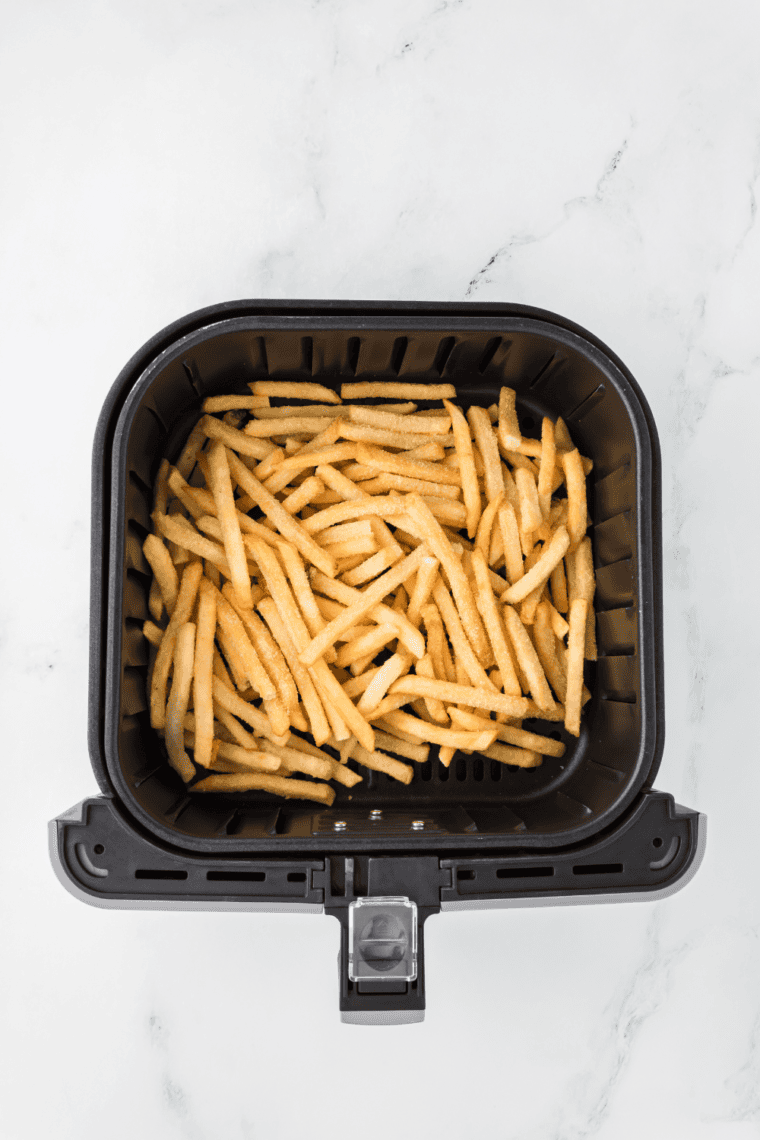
{"points": [[587, 827], [555, 372]]}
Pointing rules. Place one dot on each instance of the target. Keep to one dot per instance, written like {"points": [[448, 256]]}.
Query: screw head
{"points": [[376, 813], [418, 824], [340, 825]]}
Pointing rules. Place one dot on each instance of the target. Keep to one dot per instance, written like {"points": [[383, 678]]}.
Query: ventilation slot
{"points": [[178, 875], [524, 872], [400, 346], [152, 412], [465, 874], [588, 403], [141, 485], [547, 369], [443, 354], [236, 876], [353, 347], [192, 375], [296, 876], [598, 869], [263, 351], [307, 353], [489, 353]]}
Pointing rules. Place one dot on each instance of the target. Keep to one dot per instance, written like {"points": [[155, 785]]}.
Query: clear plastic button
{"points": [[382, 939]]}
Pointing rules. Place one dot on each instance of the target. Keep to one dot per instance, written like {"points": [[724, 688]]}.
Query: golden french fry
{"points": [[361, 390], [379, 762], [584, 587], [362, 605], [436, 734], [509, 429], [485, 439], [412, 751], [188, 590], [287, 526], [185, 535], [530, 511], [405, 464], [485, 526], [387, 481], [432, 534], [320, 729], [371, 567], [176, 708], [234, 704], [269, 652], [480, 698], [152, 633], [575, 480], [424, 668], [162, 566], [546, 469], [238, 441], [470, 488], [559, 588], [538, 575], [490, 613], [221, 489], [294, 390], [233, 403], [232, 626], [532, 741], [294, 424], [543, 637], [203, 671], [426, 425], [529, 661], [575, 652], [460, 642], [510, 536], [518, 757], [277, 785]]}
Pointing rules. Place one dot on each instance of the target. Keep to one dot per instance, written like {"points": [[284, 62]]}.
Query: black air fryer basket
{"points": [[584, 828]]}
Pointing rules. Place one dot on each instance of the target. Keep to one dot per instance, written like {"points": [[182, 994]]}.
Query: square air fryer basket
{"points": [[484, 833]]}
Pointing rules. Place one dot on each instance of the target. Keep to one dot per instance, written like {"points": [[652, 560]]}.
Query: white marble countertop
{"points": [[598, 160]]}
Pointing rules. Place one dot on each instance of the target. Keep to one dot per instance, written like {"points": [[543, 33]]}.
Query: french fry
{"points": [[485, 439], [463, 650], [546, 469], [480, 698], [398, 390], [436, 734], [307, 425], [431, 533], [509, 433], [412, 467], [387, 481], [287, 526], [470, 489], [575, 480], [543, 638], [371, 567], [417, 752], [584, 587], [187, 537], [518, 757], [529, 661], [485, 526], [530, 511], [362, 605], [203, 671], [379, 762], [160, 562], [236, 440], [176, 708], [234, 704], [269, 652], [294, 390], [437, 712], [575, 652], [388, 421], [152, 633], [188, 590], [320, 729], [539, 574], [489, 611], [510, 536], [221, 489], [531, 741], [277, 785], [559, 588]]}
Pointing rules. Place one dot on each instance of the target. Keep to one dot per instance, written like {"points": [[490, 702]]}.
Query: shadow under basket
{"points": [[443, 840]]}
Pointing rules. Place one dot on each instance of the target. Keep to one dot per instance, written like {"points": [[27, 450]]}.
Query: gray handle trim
{"points": [[161, 904], [383, 1017], [588, 900]]}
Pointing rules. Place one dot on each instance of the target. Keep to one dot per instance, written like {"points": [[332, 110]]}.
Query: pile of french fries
{"points": [[373, 577]]}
